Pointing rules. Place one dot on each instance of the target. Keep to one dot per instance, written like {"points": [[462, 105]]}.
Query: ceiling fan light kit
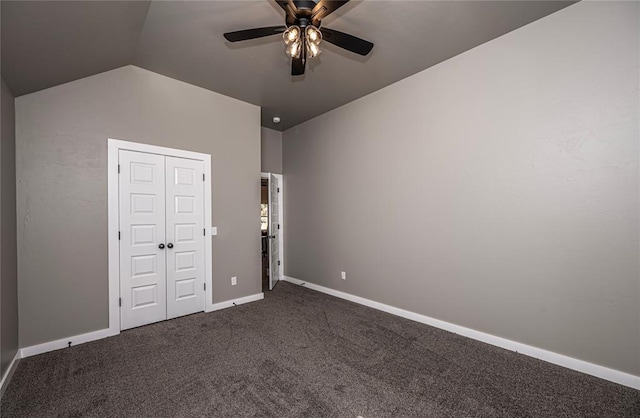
{"points": [[293, 41], [296, 40], [302, 33], [291, 34], [312, 39]]}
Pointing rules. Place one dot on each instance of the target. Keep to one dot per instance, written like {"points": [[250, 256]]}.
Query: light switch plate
{"points": [[214, 230]]}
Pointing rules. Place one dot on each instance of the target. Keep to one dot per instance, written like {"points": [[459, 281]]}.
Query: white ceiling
{"points": [[49, 43]]}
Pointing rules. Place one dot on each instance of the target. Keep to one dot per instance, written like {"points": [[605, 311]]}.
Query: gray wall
{"points": [[8, 254], [62, 188], [497, 190], [271, 151]]}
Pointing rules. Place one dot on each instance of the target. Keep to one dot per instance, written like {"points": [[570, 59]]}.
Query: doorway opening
{"points": [[264, 231], [271, 229]]}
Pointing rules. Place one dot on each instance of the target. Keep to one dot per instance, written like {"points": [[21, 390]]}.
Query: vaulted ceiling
{"points": [[49, 43]]}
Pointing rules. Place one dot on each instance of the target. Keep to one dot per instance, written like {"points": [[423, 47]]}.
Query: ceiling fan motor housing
{"points": [[302, 22], [305, 13]]}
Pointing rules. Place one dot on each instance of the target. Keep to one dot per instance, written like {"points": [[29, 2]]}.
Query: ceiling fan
{"points": [[302, 33]]}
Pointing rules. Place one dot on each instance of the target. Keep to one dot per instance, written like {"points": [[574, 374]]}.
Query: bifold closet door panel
{"points": [[142, 239], [185, 236]]}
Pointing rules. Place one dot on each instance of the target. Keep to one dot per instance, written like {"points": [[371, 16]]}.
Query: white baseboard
{"points": [[64, 343], [104, 333], [234, 302], [602, 372], [7, 376]]}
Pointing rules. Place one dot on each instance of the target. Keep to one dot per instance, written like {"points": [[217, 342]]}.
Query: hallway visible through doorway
{"points": [[264, 231], [271, 229]]}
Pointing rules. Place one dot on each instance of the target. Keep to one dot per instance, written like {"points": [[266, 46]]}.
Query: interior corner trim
{"points": [[4, 382]]}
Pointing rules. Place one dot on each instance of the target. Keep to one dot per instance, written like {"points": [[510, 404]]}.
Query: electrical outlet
{"points": [[343, 275], [234, 281]]}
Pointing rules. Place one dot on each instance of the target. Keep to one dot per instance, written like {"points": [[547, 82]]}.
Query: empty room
{"points": [[311, 208]]}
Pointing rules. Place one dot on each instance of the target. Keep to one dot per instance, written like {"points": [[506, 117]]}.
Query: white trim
{"points": [[154, 149], [235, 302], [64, 343], [112, 237], [280, 178], [113, 147], [104, 333], [208, 223], [4, 382], [539, 353]]}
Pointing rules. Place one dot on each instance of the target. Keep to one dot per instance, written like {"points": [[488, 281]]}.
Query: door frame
{"points": [[280, 177], [113, 148]]}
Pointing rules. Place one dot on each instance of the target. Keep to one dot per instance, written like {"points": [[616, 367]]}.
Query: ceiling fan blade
{"points": [[297, 65], [243, 35], [290, 9], [288, 6], [324, 8], [346, 41]]}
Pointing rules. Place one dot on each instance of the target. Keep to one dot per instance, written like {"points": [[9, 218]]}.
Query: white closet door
{"points": [[274, 233], [185, 236], [142, 234]]}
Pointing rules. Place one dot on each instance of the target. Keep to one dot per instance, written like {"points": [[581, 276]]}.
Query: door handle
{"points": [[161, 246], [169, 245]]}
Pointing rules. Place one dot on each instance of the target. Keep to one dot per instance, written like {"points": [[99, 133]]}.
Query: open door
{"points": [[274, 232]]}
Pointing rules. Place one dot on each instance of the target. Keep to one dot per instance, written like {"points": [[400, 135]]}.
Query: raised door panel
{"points": [[142, 229], [185, 232]]}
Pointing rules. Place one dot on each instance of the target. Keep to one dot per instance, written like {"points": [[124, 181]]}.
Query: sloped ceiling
{"points": [[49, 43]]}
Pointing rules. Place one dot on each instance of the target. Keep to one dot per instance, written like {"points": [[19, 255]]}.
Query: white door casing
{"points": [[114, 146], [274, 231], [142, 230], [185, 236]]}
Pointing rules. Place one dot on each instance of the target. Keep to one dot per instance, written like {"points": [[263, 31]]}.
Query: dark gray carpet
{"points": [[300, 353]]}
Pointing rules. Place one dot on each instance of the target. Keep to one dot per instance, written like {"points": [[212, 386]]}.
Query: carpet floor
{"points": [[300, 353]]}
